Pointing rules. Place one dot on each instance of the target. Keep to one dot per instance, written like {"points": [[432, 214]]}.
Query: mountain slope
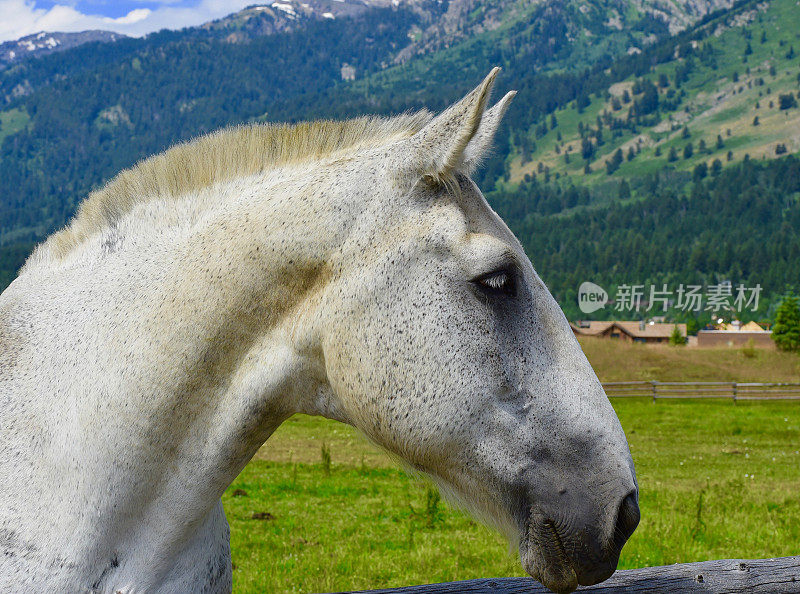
{"points": [[93, 111], [86, 118], [729, 91], [740, 226], [41, 44]]}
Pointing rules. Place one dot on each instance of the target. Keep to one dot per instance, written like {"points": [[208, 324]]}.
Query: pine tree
{"points": [[624, 190], [700, 172], [786, 101], [692, 326], [616, 160], [786, 331], [676, 338]]}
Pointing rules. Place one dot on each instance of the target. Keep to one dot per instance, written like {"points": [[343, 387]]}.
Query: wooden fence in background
{"points": [[758, 576], [729, 390]]}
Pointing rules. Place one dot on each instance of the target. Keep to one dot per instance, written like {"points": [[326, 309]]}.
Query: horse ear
{"points": [[438, 149], [479, 145]]}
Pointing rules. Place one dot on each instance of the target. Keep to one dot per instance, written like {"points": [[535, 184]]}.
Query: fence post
{"points": [[654, 390], [734, 392]]}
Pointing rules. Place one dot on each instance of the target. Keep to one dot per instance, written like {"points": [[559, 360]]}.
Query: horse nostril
{"points": [[627, 519]]}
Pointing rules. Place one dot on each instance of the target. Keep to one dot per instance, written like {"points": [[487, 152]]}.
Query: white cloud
{"points": [[21, 17], [134, 16]]}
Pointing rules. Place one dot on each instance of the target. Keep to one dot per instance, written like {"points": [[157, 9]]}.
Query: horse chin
{"points": [[546, 561], [554, 574]]}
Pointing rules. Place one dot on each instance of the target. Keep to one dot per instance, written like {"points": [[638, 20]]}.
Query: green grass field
{"points": [[717, 480]]}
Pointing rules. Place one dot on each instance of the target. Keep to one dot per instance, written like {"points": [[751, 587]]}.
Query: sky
{"points": [[131, 17]]}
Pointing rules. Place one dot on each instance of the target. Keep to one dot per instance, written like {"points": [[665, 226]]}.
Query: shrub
{"points": [[433, 514], [326, 458]]}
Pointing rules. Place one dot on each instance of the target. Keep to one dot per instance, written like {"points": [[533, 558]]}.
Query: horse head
{"points": [[445, 348]]}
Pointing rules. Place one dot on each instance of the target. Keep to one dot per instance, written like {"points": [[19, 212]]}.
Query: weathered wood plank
{"points": [[728, 576]]}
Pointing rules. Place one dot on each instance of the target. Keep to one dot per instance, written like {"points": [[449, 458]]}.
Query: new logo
{"points": [[591, 297]]}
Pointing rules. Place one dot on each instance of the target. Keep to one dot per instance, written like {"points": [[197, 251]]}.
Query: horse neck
{"points": [[173, 360], [231, 336]]}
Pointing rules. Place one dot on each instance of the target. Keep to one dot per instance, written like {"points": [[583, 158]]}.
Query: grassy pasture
{"points": [[717, 480], [621, 361]]}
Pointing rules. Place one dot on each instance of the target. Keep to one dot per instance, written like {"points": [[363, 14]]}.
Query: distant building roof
{"points": [[587, 328], [634, 329], [638, 330], [737, 326]]}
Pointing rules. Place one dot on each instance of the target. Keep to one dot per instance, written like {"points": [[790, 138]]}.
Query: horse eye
{"points": [[497, 282]]}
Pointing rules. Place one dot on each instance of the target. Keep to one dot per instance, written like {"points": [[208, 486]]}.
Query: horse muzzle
{"points": [[562, 552]]}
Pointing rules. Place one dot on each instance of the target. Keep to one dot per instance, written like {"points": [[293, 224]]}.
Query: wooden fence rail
{"points": [[729, 576], [733, 390]]}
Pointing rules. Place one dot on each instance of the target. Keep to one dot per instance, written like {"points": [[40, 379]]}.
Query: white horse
{"points": [[345, 269]]}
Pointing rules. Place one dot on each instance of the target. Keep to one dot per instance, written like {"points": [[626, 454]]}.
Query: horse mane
{"points": [[217, 157]]}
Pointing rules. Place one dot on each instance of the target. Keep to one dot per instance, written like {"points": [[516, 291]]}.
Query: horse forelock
{"points": [[218, 157]]}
